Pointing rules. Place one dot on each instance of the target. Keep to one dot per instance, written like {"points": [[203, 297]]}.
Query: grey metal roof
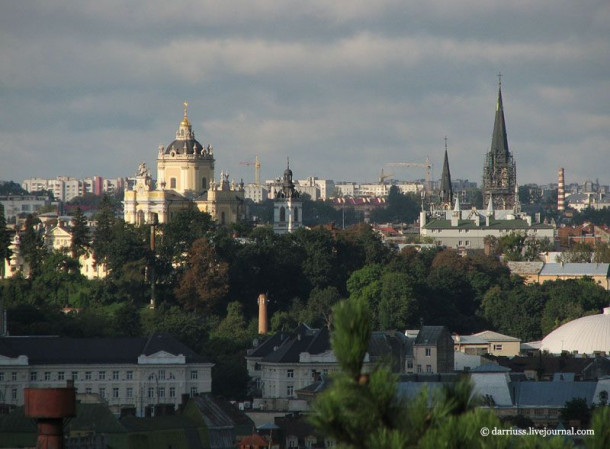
{"points": [[575, 269], [525, 268], [63, 350], [490, 368], [552, 394], [429, 335]]}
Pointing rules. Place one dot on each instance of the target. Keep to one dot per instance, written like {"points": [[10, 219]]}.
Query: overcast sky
{"points": [[341, 87]]}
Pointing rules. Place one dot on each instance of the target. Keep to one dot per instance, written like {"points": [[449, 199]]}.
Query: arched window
{"points": [[296, 214], [172, 183], [140, 218], [222, 218], [282, 214]]}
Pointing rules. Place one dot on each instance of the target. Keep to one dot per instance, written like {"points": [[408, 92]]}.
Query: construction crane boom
{"points": [[425, 165], [257, 170]]}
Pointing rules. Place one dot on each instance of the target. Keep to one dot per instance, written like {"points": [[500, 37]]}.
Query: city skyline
{"points": [[341, 89]]}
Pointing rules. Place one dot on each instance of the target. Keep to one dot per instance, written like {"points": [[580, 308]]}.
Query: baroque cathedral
{"points": [[185, 179]]}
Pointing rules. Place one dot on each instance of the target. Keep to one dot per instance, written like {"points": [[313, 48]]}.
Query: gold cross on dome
{"points": [[186, 106]]}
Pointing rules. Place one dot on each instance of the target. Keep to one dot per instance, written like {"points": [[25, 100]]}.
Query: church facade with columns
{"points": [[185, 179]]}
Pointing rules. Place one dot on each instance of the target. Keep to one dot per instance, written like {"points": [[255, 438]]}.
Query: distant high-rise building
{"points": [[500, 171]]}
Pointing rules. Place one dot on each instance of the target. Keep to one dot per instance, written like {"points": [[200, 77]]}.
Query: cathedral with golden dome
{"points": [[185, 178]]}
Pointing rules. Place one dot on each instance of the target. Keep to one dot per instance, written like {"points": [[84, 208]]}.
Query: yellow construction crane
{"points": [[384, 176], [257, 170], [425, 165]]}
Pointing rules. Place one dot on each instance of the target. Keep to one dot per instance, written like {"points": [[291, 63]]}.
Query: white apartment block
{"points": [[125, 371], [376, 189], [65, 188], [15, 205], [257, 193]]}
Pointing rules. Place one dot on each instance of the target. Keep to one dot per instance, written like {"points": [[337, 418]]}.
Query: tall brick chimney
{"points": [[561, 192], [263, 327]]}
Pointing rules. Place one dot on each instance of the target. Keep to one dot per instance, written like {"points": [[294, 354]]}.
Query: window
{"points": [[171, 376], [14, 394], [101, 375], [282, 214], [497, 347], [428, 368], [88, 390], [172, 392], [87, 375], [33, 376], [161, 374], [428, 352], [290, 390], [193, 375], [296, 214], [115, 392], [193, 391], [172, 183], [129, 392], [102, 393], [410, 364], [47, 375], [129, 375], [161, 392], [204, 184], [1, 377], [74, 375], [419, 368], [151, 392], [290, 373], [115, 375], [61, 375]]}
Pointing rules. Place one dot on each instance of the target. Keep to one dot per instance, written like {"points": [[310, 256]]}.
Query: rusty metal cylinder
{"points": [[49, 406]]}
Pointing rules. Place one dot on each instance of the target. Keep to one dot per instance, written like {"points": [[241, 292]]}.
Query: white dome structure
{"points": [[585, 335]]}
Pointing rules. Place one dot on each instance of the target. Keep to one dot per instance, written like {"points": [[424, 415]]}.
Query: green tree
{"points": [[57, 280], [320, 305], [578, 253], [178, 236], [601, 253], [31, 245], [398, 308], [512, 246], [576, 409], [400, 208], [205, 281], [102, 235], [80, 234]]}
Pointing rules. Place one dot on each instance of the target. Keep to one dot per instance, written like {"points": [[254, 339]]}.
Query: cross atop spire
{"points": [[186, 108], [499, 79]]}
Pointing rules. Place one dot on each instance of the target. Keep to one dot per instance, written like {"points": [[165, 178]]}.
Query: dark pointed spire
{"points": [[499, 139], [446, 188], [500, 171]]}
